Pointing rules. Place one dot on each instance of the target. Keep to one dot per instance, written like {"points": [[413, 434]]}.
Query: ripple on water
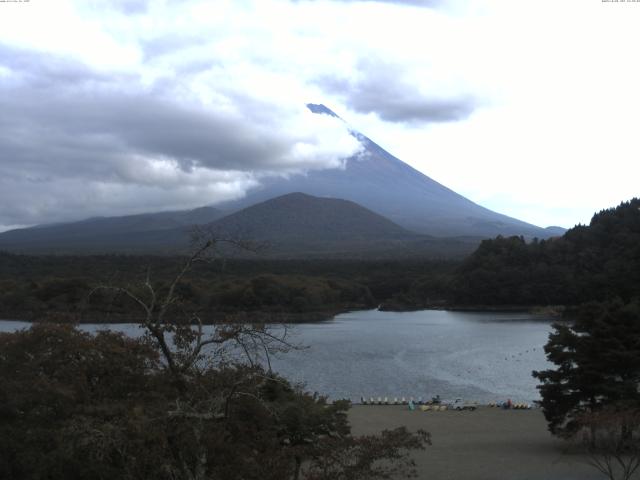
{"points": [[479, 356]]}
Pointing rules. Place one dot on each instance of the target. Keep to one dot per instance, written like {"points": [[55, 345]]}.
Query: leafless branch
{"points": [[611, 441], [190, 341]]}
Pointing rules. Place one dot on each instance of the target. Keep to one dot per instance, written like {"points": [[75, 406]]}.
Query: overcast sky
{"points": [[528, 107]]}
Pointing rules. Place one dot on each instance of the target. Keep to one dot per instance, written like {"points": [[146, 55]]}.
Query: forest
{"points": [[63, 287], [591, 262], [588, 263]]}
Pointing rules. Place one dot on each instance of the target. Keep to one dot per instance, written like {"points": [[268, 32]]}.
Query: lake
{"points": [[478, 356]]}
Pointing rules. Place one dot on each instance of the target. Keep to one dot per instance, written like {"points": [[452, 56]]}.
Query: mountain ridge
{"points": [[105, 231], [295, 225]]}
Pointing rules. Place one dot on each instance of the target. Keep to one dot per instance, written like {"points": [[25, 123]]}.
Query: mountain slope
{"points": [[292, 226], [381, 182], [106, 234]]}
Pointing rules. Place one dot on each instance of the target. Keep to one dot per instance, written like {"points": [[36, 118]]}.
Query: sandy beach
{"points": [[486, 444]]}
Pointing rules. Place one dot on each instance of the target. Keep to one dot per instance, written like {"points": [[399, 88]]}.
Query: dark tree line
{"points": [[31, 287], [588, 263]]}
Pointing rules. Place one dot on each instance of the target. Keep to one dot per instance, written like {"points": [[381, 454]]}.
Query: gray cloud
{"points": [[380, 88], [73, 125], [75, 142], [41, 71], [131, 6], [170, 43], [414, 3], [127, 7]]}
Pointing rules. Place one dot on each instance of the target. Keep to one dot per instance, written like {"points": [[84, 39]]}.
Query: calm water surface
{"points": [[476, 356]]}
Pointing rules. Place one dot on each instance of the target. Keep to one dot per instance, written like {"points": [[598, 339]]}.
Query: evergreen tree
{"points": [[598, 364]]}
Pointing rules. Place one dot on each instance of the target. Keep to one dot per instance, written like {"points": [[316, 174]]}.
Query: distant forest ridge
{"points": [[588, 263]]}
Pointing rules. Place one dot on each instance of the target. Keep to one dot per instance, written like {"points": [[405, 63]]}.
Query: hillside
{"points": [[301, 217]]}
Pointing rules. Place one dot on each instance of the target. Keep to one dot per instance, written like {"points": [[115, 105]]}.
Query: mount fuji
{"points": [[386, 185], [376, 204]]}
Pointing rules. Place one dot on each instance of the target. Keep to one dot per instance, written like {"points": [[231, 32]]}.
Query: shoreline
{"points": [[244, 317], [542, 310], [555, 311]]}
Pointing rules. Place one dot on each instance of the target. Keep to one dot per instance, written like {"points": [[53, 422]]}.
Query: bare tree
{"points": [[611, 439], [190, 349], [166, 323]]}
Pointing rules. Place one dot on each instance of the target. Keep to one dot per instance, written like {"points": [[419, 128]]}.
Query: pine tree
{"points": [[597, 362]]}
